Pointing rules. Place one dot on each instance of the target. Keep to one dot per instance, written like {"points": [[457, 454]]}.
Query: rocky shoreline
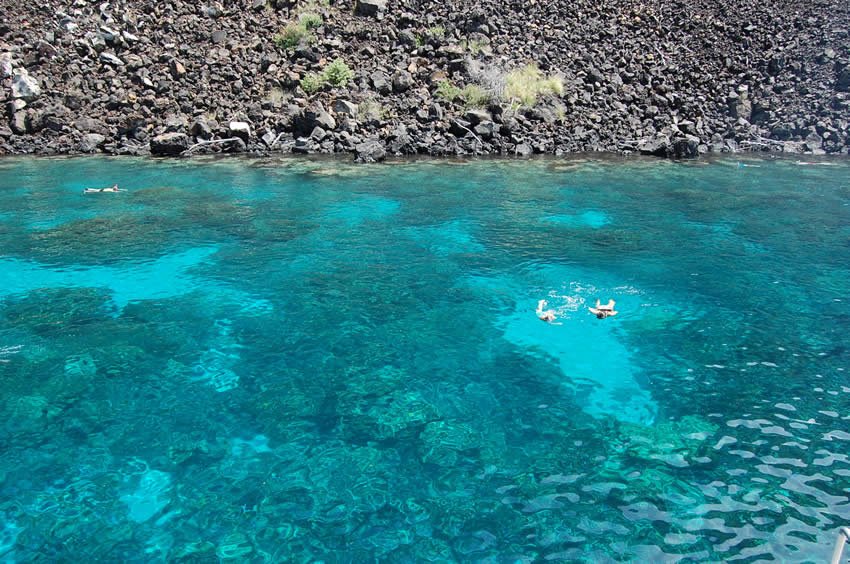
{"points": [[376, 78]]}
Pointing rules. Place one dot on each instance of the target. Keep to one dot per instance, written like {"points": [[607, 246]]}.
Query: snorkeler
{"points": [[548, 316], [603, 311], [113, 188]]}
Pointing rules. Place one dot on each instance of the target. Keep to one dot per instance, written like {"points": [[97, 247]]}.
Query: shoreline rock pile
{"points": [[392, 77]]}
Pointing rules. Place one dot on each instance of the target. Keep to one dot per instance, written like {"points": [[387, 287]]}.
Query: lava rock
{"points": [[370, 151], [24, 86], [373, 8], [169, 144], [657, 146], [312, 117], [380, 82], [240, 129], [91, 142], [345, 108]]}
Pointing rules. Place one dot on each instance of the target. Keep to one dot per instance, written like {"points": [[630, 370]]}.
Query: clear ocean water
{"points": [[306, 360]]}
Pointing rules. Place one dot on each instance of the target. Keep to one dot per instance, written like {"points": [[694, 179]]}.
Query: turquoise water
{"points": [[269, 361]]}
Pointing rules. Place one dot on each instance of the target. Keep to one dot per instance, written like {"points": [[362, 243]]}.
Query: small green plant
{"points": [[276, 96], [337, 73], [312, 82], [291, 35], [310, 20], [474, 96], [560, 113], [474, 46], [437, 31], [525, 84], [447, 91], [370, 110]]}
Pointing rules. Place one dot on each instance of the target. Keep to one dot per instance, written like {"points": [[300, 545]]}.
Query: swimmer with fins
{"points": [[603, 311], [113, 188], [548, 316]]}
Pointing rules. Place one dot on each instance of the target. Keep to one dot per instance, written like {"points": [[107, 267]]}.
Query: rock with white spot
{"points": [[240, 129], [5, 65], [24, 86], [111, 59]]}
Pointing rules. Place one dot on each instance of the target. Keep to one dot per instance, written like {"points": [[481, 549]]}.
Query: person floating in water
{"points": [[113, 188], [603, 311], [548, 316]]}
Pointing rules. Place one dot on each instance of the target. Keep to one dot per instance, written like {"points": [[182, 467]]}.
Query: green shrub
{"points": [[474, 96], [447, 91], [312, 83], [310, 20], [337, 73], [525, 84], [291, 35]]}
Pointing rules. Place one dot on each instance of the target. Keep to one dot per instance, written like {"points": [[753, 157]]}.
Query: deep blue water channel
{"points": [[302, 361]]}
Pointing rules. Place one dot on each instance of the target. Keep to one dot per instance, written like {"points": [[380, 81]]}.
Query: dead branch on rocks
{"points": [[210, 142], [472, 133]]}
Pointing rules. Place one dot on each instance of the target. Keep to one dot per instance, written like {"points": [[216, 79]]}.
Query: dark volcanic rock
{"points": [[91, 142], [843, 81], [374, 8], [663, 79], [657, 146], [312, 117], [685, 147], [370, 151], [169, 144]]}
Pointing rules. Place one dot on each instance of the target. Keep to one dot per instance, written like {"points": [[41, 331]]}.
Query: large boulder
{"points": [[312, 117], [200, 128], [370, 151], [169, 144], [399, 142], [372, 8], [346, 108], [686, 147], [20, 122], [240, 129], [402, 81], [658, 146], [476, 116], [87, 124], [91, 142], [24, 86], [380, 82]]}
